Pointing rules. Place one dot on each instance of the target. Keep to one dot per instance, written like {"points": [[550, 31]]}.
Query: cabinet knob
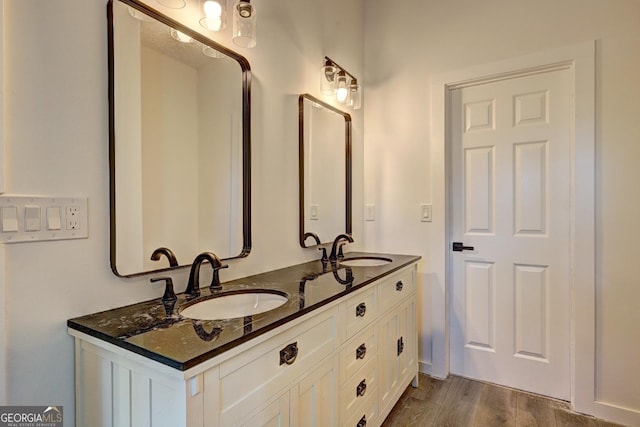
{"points": [[362, 422], [400, 346], [361, 309], [361, 351], [289, 353], [362, 388], [399, 285]]}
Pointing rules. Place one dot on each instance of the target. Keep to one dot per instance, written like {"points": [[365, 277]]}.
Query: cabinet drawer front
{"points": [[361, 309], [364, 416], [359, 387], [357, 352], [253, 377], [397, 287]]}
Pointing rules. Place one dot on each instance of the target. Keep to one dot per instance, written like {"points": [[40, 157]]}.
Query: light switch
{"points": [[314, 212], [32, 218], [369, 212], [53, 218], [9, 218], [425, 213]]}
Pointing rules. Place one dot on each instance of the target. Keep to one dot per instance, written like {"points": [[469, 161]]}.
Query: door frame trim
{"points": [[580, 59]]}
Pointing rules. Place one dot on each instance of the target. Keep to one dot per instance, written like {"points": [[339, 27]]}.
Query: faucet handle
{"points": [[215, 280], [169, 294], [324, 258]]}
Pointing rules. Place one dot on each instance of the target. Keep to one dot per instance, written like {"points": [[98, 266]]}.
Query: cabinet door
{"points": [[406, 341], [397, 351], [314, 400], [389, 363], [276, 414]]}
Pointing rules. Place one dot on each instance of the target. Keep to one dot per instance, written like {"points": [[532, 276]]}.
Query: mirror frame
{"points": [[304, 235], [246, 130]]}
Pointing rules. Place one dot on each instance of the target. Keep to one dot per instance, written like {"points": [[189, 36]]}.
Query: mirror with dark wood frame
{"points": [[324, 135], [179, 143]]}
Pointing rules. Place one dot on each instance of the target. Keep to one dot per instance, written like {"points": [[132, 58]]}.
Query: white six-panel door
{"points": [[510, 295]]}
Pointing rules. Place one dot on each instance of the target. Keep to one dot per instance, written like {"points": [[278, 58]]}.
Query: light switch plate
{"points": [[369, 212], [314, 213], [45, 218], [425, 212]]}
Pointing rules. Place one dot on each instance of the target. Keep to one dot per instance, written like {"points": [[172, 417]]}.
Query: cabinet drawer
{"points": [[361, 309], [397, 287], [254, 376], [359, 387], [357, 352], [366, 415]]}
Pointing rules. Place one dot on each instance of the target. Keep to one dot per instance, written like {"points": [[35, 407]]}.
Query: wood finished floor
{"points": [[459, 402]]}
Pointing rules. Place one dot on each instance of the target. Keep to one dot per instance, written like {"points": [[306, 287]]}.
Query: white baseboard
{"points": [[617, 414], [424, 367]]}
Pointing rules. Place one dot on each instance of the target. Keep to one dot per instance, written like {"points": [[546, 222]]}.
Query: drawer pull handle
{"points": [[289, 353], [399, 285], [361, 351], [400, 346], [361, 389], [361, 309], [362, 422]]}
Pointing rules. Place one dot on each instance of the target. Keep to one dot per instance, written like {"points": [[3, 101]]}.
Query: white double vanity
{"points": [[340, 351]]}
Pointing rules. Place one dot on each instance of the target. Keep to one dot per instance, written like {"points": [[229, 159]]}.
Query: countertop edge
{"points": [[200, 359]]}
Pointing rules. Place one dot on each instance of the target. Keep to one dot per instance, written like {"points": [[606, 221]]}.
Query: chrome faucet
{"points": [[336, 248], [193, 286]]}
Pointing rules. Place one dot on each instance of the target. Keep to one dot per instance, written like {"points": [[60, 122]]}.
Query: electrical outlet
{"points": [[73, 218]]}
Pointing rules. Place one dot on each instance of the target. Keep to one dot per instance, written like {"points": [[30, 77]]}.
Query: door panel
{"points": [[511, 191]]}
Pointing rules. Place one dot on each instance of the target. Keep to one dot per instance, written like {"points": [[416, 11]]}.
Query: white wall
{"points": [[57, 143], [3, 298], [405, 46]]}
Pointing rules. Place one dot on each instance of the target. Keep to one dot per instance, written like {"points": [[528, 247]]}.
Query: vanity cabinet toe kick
{"points": [[345, 363]]}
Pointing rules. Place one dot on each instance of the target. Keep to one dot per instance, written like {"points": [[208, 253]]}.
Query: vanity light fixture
{"points": [[338, 82], [341, 87], [214, 14], [244, 24], [355, 95], [327, 78]]}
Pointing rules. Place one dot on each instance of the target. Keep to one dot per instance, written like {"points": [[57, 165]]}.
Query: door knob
{"points": [[459, 247]]}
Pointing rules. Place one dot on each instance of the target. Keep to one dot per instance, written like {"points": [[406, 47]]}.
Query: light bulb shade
{"points": [[244, 24], [355, 96], [180, 36], [328, 80], [214, 15], [172, 4], [211, 52], [342, 91], [139, 15]]}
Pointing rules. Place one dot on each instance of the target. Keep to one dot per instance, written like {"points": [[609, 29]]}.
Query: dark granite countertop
{"points": [[159, 332]]}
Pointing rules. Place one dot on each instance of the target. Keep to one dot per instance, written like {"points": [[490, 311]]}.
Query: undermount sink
{"points": [[234, 304], [365, 261]]}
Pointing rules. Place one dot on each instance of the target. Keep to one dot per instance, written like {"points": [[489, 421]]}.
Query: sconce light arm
{"points": [[329, 61]]}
